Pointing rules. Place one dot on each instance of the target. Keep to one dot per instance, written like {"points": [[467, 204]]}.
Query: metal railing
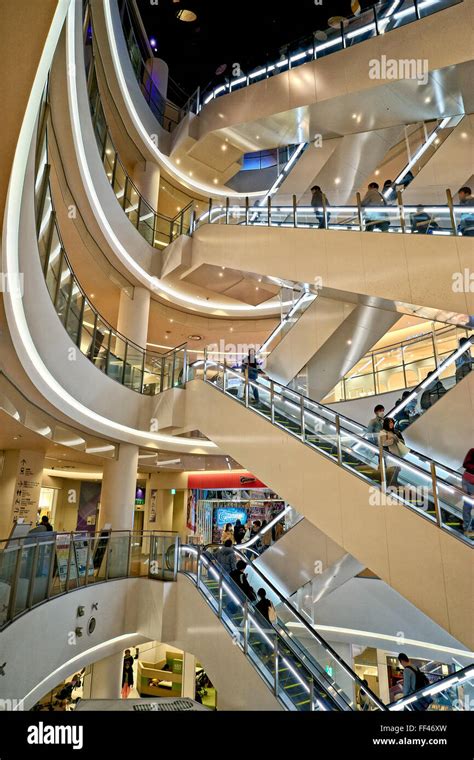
{"points": [[381, 18], [429, 488], [166, 113], [400, 218], [157, 229], [305, 675], [41, 566], [396, 367]]}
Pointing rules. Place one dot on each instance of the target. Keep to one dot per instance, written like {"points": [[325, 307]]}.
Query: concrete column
{"points": [[117, 502], [343, 679], [164, 517], [20, 486], [159, 72], [188, 688], [384, 686], [146, 176], [106, 677], [134, 314]]}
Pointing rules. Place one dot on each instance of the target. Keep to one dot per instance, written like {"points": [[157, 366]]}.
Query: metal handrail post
{"points": [[246, 387], [269, 211], [272, 402], [205, 365], [401, 211], [295, 221], [276, 662], [34, 566], [338, 440], [383, 473], [359, 211], [219, 609], [245, 624], [435, 494], [452, 215], [303, 432]]}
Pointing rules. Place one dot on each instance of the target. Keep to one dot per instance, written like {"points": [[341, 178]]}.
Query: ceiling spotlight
{"points": [[194, 337], [223, 147], [215, 180], [152, 42], [178, 161], [186, 15]]}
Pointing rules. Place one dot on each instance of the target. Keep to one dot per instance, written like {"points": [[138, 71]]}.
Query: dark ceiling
{"points": [[247, 32]]}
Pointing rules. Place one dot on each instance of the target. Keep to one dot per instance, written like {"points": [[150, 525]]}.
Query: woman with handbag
{"points": [[392, 440]]}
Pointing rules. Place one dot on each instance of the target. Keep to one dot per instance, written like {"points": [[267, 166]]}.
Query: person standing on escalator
{"points": [[250, 365], [240, 578], [468, 488]]}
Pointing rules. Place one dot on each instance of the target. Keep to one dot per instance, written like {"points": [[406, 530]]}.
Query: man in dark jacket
{"points": [[375, 220], [318, 202], [240, 578]]}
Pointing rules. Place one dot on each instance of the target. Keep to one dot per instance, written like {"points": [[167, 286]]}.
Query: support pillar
{"points": [[117, 501], [189, 676], [384, 686], [146, 177], [106, 677], [134, 314]]}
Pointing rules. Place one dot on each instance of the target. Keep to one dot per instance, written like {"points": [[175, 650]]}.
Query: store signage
{"points": [[28, 486], [225, 480]]}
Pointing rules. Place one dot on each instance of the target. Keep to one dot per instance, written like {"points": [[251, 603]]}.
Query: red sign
{"points": [[227, 480]]}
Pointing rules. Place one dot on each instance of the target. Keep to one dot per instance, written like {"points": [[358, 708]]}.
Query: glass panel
{"points": [[356, 387], [74, 314], [153, 369], [131, 203], [116, 358], [146, 222], [133, 368], [101, 345], [119, 181], [65, 284], [52, 274], [24, 578], [109, 158], [119, 547], [87, 333], [163, 232], [8, 559]]}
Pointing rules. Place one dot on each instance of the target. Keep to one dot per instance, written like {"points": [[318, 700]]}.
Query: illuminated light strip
{"points": [[386, 637], [264, 530], [16, 317], [161, 157], [80, 657]]}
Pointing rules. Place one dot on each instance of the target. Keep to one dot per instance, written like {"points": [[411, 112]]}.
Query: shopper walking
{"points": [[127, 672], [468, 488], [319, 201], [374, 220], [227, 534], [239, 532]]}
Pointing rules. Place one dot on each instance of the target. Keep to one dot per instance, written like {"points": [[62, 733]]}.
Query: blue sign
{"points": [[226, 515]]}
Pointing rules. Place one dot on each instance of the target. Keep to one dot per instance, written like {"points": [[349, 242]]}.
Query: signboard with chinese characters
{"points": [[28, 486]]}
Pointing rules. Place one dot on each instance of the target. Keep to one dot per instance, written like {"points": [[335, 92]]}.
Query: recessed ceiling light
{"points": [[171, 320], [194, 337], [377, 172], [186, 15], [215, 180], [178, 161], [92, 295], [223, 147], [221, 274], [337, 181]]}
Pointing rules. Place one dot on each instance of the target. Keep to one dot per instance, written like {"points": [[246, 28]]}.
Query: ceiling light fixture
{"points": [[194, 337], [186, 15]]}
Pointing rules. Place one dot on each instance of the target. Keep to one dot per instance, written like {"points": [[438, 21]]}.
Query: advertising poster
{"points": [[88, 503], [153, 500]]}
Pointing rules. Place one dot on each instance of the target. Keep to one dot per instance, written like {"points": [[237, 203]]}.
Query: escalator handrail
{"points": [[302, 655], [420, 693], [314, 634]]}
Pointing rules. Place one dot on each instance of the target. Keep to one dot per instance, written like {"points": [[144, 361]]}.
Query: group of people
{"points": [[241, 534], [236, 570], [421, 222]]}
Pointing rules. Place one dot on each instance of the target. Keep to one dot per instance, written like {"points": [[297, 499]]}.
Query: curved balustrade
{"points": [[157, 229], [133, 366], [429, 488]]}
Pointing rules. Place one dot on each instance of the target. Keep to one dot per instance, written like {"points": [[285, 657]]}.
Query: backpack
{"points": [[421, 682]]}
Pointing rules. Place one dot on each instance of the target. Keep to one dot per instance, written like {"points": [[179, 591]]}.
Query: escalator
{"points": [[395, 516], [304, 678]]}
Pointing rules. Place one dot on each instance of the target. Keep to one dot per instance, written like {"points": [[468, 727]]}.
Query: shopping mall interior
{"points": [[236, 429]]}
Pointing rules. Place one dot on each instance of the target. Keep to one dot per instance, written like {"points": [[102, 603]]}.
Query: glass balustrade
{"points": [[137, 368], [40, 566], [413, 481], [157, 229]]}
